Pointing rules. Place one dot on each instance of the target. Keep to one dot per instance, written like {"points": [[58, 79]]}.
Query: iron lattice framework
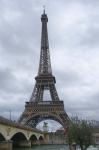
{"points": [[37, 109]]}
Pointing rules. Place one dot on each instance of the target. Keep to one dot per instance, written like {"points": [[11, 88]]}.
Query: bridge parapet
{"points": [[16, 132]]}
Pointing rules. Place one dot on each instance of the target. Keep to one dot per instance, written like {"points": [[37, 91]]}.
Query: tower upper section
{"points": [[45, 63]]}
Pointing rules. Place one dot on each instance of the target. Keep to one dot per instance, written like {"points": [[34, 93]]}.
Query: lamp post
{"points": [[10, 114]]}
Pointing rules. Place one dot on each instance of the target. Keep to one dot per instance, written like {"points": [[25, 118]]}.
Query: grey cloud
{"points": [[7, 80], [91, 38], [10, 85], [69, 78]]}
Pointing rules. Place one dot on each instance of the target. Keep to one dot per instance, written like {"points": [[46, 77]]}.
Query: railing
{"points": [[45, 103]]}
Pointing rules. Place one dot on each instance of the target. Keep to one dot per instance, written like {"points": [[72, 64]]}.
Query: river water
{"points": [[45, 147], [53, 147]]}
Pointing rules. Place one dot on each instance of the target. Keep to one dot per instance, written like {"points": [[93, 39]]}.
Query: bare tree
{"points": [[80, 133]]}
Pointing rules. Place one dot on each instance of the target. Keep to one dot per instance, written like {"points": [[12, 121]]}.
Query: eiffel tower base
{"points": [[35, 112]]}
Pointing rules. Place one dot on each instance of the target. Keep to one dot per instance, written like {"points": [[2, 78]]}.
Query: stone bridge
{"points": [[14, 134]]}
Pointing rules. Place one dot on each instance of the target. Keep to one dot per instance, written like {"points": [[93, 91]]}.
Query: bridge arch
{"points": [[33, 137], [2, 138], [3, 132], [41, 138], [34, 120], [19, 136], [15, 132]]}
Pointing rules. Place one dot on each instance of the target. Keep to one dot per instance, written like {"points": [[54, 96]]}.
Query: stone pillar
{"points": [[6, 145], [37, 142], [46, 138]]}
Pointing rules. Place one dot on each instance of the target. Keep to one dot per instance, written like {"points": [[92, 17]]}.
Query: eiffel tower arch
{"points": [[38, 109]]}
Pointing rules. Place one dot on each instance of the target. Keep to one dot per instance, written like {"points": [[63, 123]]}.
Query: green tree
{"points": [[80, 133]]}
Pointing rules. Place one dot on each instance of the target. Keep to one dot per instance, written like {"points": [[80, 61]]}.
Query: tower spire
{"points": [[45, 64], [44, 9]]}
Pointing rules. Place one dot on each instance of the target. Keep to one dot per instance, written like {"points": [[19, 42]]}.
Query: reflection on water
{"points": [[45, 147]]}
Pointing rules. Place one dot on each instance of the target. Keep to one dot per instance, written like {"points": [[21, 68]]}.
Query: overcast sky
{"points": [[73, 30]]}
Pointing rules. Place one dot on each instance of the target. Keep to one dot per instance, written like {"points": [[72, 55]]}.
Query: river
{"points": [[53, 147], [45, 147]]}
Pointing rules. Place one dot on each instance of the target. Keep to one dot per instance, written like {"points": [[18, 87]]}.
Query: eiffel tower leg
{"points": [[40, 93], [37, 94], [53, 93], [34, 94]]}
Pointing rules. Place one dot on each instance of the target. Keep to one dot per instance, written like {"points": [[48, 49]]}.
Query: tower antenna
{"points": [[44, 9]]}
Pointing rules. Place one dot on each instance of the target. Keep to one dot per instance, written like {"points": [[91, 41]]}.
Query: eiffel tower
{"points": [[38, 109]]}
